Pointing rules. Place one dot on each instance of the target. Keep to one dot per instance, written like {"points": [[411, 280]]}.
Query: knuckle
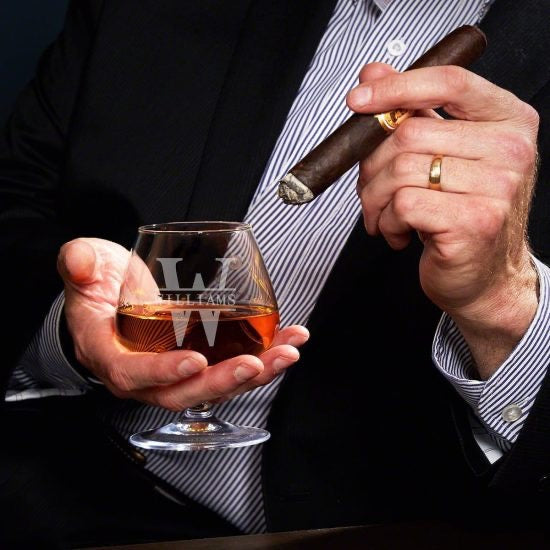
{"points": [[119, 378], [531, 116], [366, 171], [409, 133], [402, 165], [508, 184], [215, 387], [519, 147], [490, 220], [455, 77], [403, 202]]}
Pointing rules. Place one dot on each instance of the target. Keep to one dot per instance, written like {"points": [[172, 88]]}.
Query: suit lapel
{"points": [[518, 45], [152, 82], [277, 42]]}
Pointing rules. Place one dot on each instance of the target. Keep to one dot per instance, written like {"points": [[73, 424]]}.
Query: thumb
{"points": [[369, 72], [77, 262]]}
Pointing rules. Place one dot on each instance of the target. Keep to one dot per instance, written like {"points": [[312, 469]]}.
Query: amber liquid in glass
{"points": [[234, 330]]}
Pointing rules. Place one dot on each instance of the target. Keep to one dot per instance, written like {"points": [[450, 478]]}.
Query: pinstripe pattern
{"points": [[229, 481], [45, 349], [528, 363]]}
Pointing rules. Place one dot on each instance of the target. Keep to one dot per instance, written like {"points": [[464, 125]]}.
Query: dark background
{"points": [[26, 28]]}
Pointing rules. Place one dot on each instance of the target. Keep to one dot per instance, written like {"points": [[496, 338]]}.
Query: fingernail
{"points": [[361, 96], [245, 372], [188, 367], [282, 362], [299, 339]]}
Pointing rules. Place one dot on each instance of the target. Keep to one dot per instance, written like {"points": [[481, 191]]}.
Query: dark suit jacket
{"points": [[147, 111]]}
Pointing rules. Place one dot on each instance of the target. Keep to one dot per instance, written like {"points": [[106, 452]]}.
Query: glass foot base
{"points": [[199, 434]]}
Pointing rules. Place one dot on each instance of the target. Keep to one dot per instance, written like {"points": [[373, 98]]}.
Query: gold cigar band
{"points": [[392, 119]]}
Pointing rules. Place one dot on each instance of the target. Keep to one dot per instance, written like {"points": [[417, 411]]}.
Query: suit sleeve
{"points": [[32, 158]]}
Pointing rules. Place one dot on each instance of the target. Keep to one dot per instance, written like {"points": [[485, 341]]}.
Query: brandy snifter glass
{"points": [[199, 286]]}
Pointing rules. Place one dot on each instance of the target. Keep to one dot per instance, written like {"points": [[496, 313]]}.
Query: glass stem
{"points": [[198, 412]]}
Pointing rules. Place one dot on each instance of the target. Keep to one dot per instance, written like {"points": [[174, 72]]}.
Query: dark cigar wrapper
{"points": [[361, 134]]}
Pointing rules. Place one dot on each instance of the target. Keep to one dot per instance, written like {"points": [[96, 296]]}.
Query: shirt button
{"points": [[396, 47], [511, 413]]}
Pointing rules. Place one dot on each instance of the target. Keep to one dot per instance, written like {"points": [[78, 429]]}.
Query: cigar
{"points": [[361, 133]]}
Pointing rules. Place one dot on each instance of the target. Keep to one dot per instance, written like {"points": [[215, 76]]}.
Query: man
{"points": [[154, 112]]}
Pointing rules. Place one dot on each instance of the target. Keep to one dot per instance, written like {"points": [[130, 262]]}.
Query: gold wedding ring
{"points": [[435, 173]]}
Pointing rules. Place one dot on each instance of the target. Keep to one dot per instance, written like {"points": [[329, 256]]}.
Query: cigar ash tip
{"points": [[293, 191]]}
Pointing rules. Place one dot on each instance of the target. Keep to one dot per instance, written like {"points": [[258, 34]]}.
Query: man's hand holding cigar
{"points": [[465, 186]]}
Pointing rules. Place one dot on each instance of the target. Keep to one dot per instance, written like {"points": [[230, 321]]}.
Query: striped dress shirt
{"points": [[229, 481]]}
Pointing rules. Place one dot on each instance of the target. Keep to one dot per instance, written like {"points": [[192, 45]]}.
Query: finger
{"points": [[397, 220], [213, 383], [454, 218], [276, 361], [374, 71], [461, 93], [453, 138], [133, 371], [77, 262], [457, 176], [125, 370], [295, 335]]}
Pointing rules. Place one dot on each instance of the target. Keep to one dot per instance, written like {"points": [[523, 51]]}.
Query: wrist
{"points": [[69, 351], [494, 324]]}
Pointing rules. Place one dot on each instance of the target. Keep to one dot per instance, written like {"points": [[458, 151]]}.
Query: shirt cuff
{"points": [[502, 403], [44, 360]]}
